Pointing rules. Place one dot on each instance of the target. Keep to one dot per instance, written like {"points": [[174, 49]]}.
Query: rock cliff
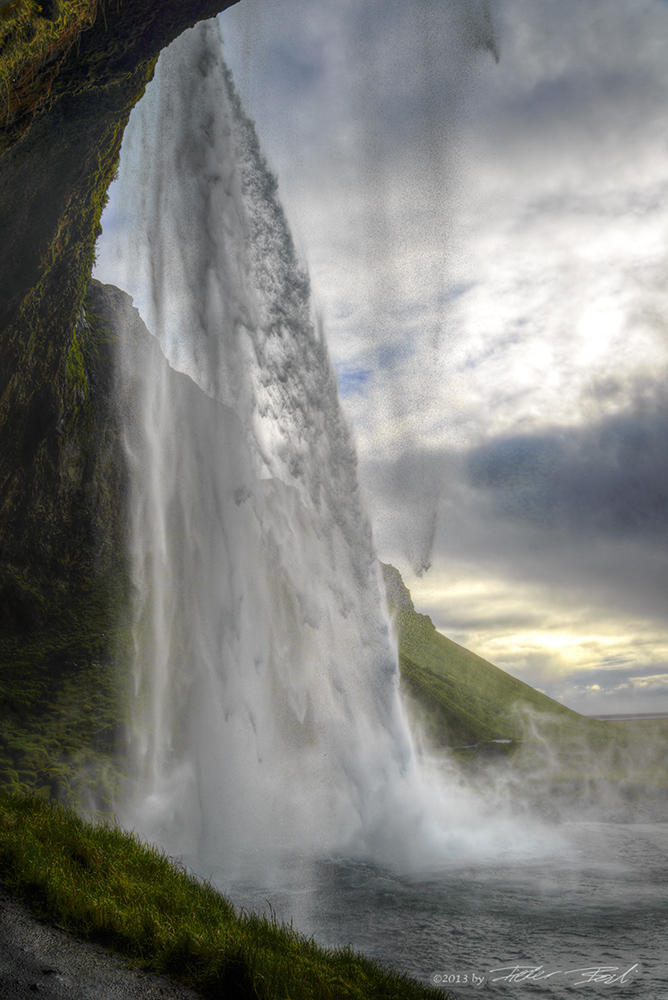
{"points": [[70, 73]]}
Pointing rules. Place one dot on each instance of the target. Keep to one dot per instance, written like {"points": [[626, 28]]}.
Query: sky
{"points": [[480, 194], [479, 190]]}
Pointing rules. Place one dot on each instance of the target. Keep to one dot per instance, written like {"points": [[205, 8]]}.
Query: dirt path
{"points": [[37, 960]]}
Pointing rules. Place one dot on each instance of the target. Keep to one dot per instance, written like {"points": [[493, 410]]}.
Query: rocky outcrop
{"points": [[398, 595], [60, 140], [70, 73]]}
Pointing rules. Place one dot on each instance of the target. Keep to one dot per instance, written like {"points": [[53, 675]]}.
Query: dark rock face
{"points": [[59, 153], [63, 465], [57, 160], [63, 575], [65, 586], [64, 582]]}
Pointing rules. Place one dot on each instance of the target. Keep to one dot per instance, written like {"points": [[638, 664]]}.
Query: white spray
{"points": [[265, 712]]}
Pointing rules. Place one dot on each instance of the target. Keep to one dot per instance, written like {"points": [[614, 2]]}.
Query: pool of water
{"points": [[587, 919]]}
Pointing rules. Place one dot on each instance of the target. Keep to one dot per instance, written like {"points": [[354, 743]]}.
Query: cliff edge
{"points": [[70, 73]]}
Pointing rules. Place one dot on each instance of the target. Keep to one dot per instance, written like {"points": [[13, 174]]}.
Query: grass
{"points": [[103, 884]]}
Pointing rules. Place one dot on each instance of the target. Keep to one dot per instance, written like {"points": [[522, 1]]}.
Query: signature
{"points": [[607, 975]]}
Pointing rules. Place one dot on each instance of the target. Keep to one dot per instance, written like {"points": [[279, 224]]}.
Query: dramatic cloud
{"points": [[550, 550], [606, 479]]}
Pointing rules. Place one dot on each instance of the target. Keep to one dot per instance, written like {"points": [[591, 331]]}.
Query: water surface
{"points": [[593, 919]]}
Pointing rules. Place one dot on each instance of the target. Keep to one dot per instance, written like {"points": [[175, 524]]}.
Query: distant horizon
{"points": [[636, 715]]}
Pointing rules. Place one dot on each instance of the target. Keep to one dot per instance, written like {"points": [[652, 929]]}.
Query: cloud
{"points": [[407, 155], [352, 379], [499, 226], [618, 695], [549, 550], [542, 436], [591, 529], [608, 478], [659, 681], [561, 642]]}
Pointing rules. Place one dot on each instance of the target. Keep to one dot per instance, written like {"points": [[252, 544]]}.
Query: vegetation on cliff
{"points": [[35, 37], [64, 583], [61, 124], [70, 73]]}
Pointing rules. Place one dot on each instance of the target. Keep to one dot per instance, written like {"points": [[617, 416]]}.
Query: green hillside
{"points": [[463, 704], [465, 698]]}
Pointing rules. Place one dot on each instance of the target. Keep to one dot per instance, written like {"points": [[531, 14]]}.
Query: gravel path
{"points": [[37, 960]]}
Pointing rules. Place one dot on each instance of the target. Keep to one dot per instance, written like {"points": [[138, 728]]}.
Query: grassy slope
{"points": [[104, 885], [462, 700], [466, 699]]}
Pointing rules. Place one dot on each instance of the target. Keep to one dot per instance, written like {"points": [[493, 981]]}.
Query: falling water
{"points": [[265, 718], [265, 713]]}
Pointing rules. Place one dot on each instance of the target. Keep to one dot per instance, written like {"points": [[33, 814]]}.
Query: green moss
{"points": [[62, 685], [32, 35], [76, 370]]}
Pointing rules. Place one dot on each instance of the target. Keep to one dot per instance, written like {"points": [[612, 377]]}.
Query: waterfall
{"points": [[265, 729], [265, 715]]}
